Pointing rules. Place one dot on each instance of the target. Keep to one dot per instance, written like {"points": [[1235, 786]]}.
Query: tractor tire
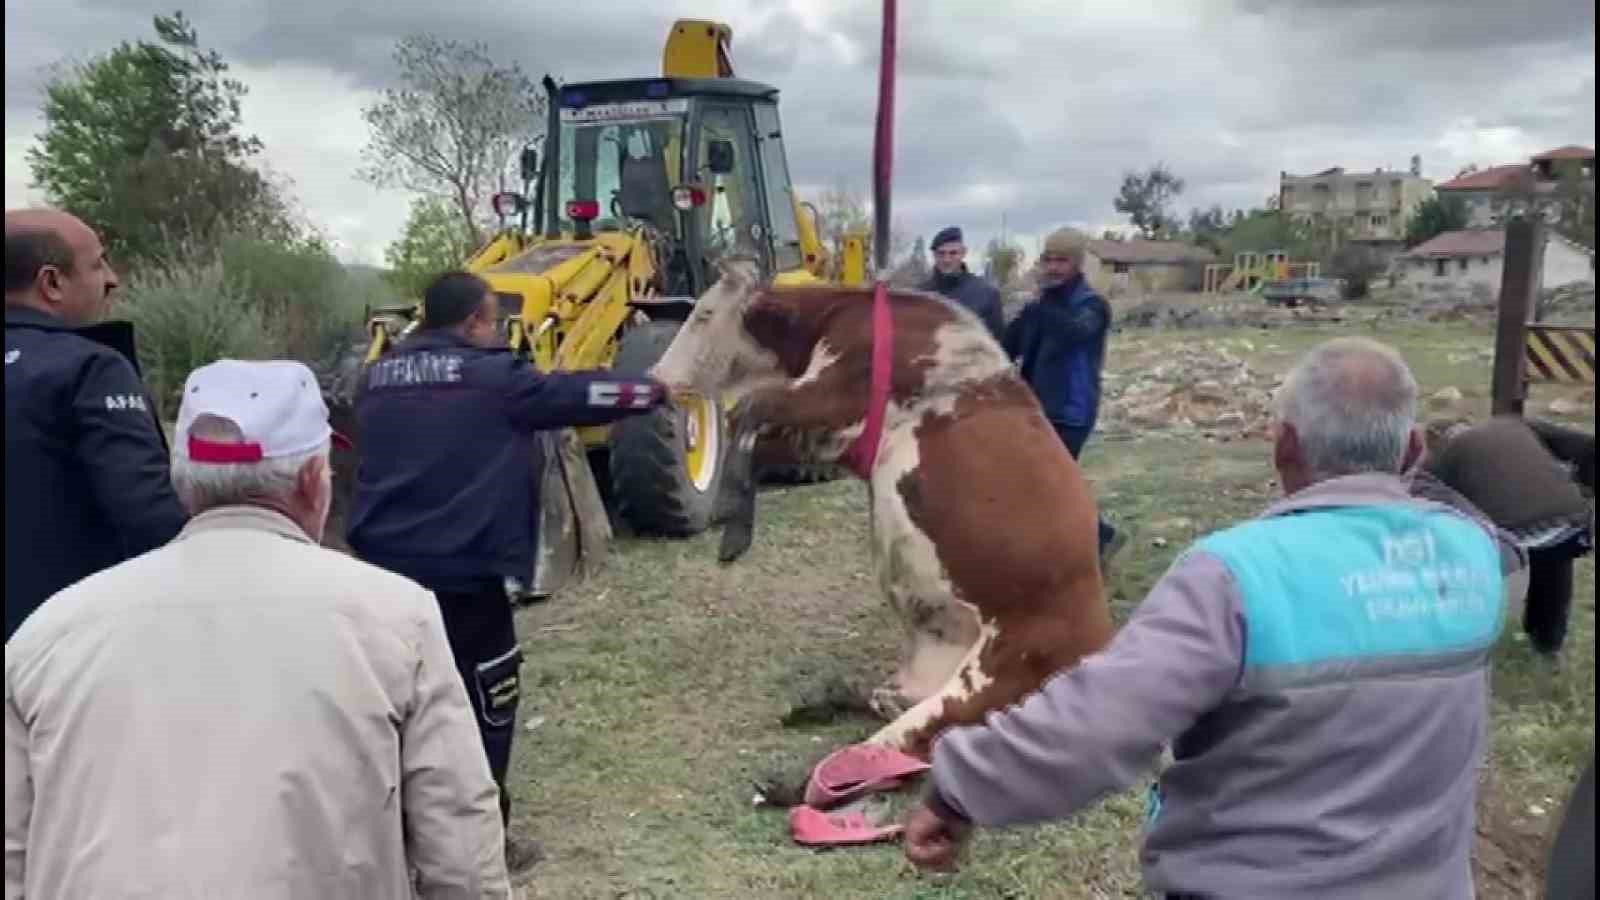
{"points": [[651, 455]]}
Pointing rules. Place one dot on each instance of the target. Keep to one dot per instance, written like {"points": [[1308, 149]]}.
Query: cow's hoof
{"points": [[736, 540], [889, 703]]}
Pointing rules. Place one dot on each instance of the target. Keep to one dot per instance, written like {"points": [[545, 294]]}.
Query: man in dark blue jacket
{"points": [[951, 278], [87, 483], [447, 484], [1059, 343]]}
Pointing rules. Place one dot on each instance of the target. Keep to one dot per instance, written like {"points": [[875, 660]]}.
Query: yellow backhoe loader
{"points": [[637, 188]]}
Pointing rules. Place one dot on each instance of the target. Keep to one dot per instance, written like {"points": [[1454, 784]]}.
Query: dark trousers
{"points": [[484, 642], [1075, 438], [1549, 603]]}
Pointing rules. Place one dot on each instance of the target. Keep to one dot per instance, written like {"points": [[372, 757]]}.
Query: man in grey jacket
{"points": [[1320, 671]]}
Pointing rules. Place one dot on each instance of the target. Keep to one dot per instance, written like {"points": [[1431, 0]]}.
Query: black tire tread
{"points": [[649, 484]]}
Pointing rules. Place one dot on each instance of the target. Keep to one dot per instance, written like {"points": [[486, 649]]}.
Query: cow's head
{"points": [[713, 351]]}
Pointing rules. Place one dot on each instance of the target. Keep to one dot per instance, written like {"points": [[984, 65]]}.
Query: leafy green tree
{"points": [[434, 240], [144, 142], [1207, 228], [1268, 229], [1435, 216], [1146, 199]]}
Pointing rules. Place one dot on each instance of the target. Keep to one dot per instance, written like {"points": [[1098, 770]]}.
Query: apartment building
{"points": [[1362, 206]]}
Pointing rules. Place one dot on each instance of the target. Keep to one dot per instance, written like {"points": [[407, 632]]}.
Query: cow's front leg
{"points": [[737, 500], [913, 731], [825, 401]]}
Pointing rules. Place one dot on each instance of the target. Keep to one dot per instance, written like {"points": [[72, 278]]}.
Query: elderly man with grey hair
{"points": [[242, 713], [1319, 670]]}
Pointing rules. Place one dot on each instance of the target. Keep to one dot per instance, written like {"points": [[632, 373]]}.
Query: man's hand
{"points": [[663, 394], [932, 842]]}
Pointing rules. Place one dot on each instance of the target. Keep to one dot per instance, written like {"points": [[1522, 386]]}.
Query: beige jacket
{"points": [[243, 714]]}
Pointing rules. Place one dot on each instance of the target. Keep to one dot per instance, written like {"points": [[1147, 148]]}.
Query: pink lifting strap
{"points": [[863, 451]]}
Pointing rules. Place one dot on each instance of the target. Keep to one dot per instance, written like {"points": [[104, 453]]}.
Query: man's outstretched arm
{"points": [[538, 400], [1096, 727]]}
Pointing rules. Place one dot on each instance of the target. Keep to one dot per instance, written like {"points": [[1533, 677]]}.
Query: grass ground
{"points": [[652, 693]]}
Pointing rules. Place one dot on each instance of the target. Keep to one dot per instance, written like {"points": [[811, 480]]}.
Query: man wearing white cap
{"points": [[243, 713]]}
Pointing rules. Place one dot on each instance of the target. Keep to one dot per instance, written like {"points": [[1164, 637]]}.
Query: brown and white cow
{"points": [[983, 528]]}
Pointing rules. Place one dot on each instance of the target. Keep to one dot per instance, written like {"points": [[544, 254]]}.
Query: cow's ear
{"points": [[742, 270]]}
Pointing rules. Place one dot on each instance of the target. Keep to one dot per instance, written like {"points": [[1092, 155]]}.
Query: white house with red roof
{"points": [[1468, 262]]}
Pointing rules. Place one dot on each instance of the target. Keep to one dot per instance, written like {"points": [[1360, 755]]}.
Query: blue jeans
{"points": [[1075, 436]]}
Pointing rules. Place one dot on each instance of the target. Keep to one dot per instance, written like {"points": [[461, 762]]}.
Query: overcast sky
{"points": [[1027, 109]]}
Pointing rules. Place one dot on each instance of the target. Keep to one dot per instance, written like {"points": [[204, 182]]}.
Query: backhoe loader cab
{"points": [[698, 162]]}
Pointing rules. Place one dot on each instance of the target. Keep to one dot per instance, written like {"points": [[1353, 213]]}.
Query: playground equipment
{"points": [[1251, 269]]}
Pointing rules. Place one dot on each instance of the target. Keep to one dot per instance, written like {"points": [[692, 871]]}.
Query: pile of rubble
{"points": [[1569, 299], [1206, 391]]}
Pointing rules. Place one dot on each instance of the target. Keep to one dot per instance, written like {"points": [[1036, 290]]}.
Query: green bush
{"points": [[301, 290], [246, 298], [187, 316]]}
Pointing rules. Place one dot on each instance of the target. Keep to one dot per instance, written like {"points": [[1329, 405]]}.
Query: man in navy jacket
{"points": [[87, 483], [1059, 344], [447, 485], [951, 278]]}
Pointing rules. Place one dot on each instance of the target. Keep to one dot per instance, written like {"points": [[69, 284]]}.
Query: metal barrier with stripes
{"points": [[1528, 352], [1559, 353]]}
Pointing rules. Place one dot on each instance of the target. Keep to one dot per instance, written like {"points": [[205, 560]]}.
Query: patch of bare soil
{"points": [[1508, 862]]}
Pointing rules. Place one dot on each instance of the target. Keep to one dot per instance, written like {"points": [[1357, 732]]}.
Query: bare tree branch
{"points": [[453, 126]]}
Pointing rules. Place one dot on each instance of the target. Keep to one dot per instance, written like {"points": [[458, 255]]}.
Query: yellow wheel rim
{"points": [[702, 439]]}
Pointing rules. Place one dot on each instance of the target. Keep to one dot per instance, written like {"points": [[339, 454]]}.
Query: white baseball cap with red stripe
{"points": [[277, 405]]}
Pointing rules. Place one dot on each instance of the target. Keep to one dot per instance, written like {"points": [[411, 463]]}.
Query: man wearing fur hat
{"points": [[1059, 343], [951, 278]]}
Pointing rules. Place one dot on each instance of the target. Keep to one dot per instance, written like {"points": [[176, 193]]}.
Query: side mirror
{"points": [[508, 203], [719, 157], [529, 164]]}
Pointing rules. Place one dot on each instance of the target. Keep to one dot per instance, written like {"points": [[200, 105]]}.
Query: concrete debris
{"points": [[1577, 297], [1207, 391], [1188, 312], [1573, 406], [1448, 398]]}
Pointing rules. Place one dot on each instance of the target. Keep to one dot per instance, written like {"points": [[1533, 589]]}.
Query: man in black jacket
{"points": [[87, 483], [951, 278], [447, 490]]}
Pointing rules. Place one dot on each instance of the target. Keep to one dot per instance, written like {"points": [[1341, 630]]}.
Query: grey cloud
{"points": [[1441, 24], [1047, 103]]}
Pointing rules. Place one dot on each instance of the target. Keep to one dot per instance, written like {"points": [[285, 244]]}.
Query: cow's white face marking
{"points": [[712, 350]]}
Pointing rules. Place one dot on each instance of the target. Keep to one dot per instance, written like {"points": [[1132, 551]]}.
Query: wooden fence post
{"points": [[1519, 287]]}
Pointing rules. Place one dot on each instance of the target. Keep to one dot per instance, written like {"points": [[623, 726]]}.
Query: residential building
{"points": [[1484, 192], [1357, 206], [1489, 194], [1470, 262], [1145, 267], [1552, 165]]}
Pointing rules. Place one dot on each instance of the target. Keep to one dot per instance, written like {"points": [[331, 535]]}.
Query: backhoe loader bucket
{"points": [[574, 529]]}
